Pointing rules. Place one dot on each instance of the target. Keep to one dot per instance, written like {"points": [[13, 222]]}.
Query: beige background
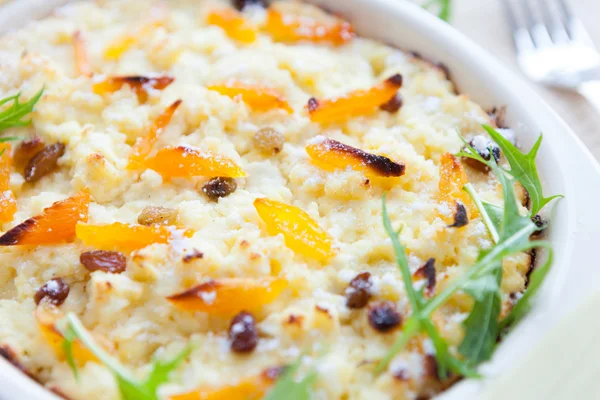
{"points": [[484, 21]]}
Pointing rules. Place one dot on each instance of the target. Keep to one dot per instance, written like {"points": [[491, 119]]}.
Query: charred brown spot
{"points": [[427, 272], [219, 187], [395, 79], [272, 373], [153, 215], [194, 255], [26, 150], [401, 374], [393, 105], [431, 367], [445, 70], [383, 317], [196, 291], [241, 4], [460, 217], [382, 165], [138, 82], [540, 223], [16, 234], [44, 162], [324, 311], [55, 292], [108, 261], [313, 104], [295, 319], [9, 355], [358, 292], [498, 116], [486, 149], [242, 333]]}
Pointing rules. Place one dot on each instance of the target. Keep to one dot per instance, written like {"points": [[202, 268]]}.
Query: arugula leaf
{"points": [[443, 8], [67, 346], [495, 213], [481, 326], [523, 306], [129, 386], [491, 221], [288, 388], [13, 116], [523, 169]]}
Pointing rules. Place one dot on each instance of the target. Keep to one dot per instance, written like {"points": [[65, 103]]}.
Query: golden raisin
{"points": [[108, 261], [44, 162], [152, 215], [268, 141], [55, 292], [219, 187]]}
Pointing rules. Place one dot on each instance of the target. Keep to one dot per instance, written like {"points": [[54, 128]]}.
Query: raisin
{"points": [[460, 217], [219, 187], [427, 271], [241, 4], [108, 261], [44, 162], [242, 333], [384, 317], [482, 146], [152, 215], [55, 292], [268, 141], [393, 105], [358, 292], [26, 150]]}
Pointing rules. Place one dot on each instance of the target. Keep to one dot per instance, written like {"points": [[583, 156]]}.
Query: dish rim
{"points": [[477, 73]]}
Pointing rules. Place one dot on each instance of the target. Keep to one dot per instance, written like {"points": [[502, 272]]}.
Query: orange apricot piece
{"points": [[301, 233], [121, 44], [291, 29], [139, 84], [355, 103], [56, 224], [8, 203], [258, 97], [188, 162], [143, 145], [452, 180], [82, 62], [253, 388], [46, 319], [124, 237], [233, 23], [330, 155], [228, 296]]}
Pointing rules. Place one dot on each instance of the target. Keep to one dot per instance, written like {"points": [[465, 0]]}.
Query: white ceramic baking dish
{"points": [[565, 165]]}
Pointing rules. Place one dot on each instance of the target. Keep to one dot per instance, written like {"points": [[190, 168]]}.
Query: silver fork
{"points": [[553, 47]]}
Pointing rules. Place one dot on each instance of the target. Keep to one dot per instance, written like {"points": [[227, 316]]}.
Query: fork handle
{"points": [[591, 91]]}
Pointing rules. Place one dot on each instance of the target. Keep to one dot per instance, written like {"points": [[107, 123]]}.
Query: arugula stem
{"points": [[411, 328], [484, 265], [88, 341], [484, 215]]}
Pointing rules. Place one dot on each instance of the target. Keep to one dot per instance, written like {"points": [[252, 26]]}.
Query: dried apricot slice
{"points": [[139, 84], [143, 145], [187, 162], [124, 237], [82, 63], [258, 97], [233, 23], [355, 103], [452, 180], [46, 320], [253, 388], [301, 233], [330, 154], [56, 224], [8, 203], [289, 28], [229, 296], [123, 43]]}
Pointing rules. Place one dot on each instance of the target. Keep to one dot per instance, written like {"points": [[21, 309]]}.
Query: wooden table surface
{"points": [[484, 21]]}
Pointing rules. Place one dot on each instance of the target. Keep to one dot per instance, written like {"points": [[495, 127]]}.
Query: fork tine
{"points": [[575, 27], [521, 36], [556, 20], [538, 31]]}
